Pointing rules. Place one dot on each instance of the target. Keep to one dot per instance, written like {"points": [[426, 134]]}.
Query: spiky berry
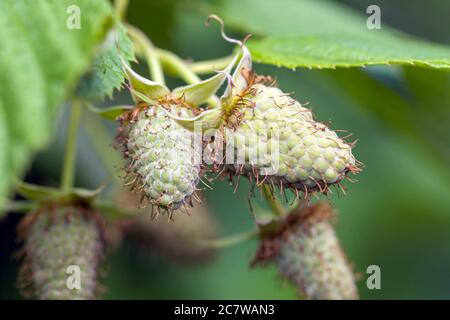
{"points": [[280, 142], [271, 138], [56, 239], [307, 253], [160, 153]]}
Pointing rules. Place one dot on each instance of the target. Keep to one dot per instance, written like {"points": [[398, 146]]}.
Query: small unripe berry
{"points": [[277, 140], [273, 139], [56, 240], [307, 253], [160, 153]]}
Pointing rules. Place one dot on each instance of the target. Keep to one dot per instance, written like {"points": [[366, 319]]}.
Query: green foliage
{"points": [[322, 34], [40, 61], [331, 51], [106, 73], [431, 100], [283, 18]]}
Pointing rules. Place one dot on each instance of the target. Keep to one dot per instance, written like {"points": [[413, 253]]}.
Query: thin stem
{"points": [[210, 66], [120, 7], [228, 241], [99, 136], [68, 172], [276, 207], [149, 51], [177, 65], [18, 206]]}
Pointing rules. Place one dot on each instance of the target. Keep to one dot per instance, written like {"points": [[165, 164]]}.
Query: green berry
{"points": [[283, 143], [55, 241], [308, 254], [160, 151]]}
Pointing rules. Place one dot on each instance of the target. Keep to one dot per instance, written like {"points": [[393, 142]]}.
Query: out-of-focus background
{"points": [[397, 216]]}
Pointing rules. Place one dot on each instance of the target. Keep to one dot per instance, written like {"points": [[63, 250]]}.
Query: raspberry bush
{"points": [[186, 127]]}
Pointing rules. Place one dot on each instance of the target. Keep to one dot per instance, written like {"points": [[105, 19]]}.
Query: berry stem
{"points": [[98, 135], [68, 171], [228, 241], [210, 66], [120, 7], [177, 65], [19, 206], [149, 52], [276, 207]]}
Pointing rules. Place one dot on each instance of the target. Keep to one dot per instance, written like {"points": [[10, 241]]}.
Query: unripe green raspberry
{"points": [[278, 141], [278, 138], [56, 239], [161, 155], [308, 254], [273, 139]]}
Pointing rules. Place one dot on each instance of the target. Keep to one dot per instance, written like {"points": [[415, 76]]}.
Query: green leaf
{"points": [[41, 59], [323, 34], [106, 73], [288, 17], [331, 51]]}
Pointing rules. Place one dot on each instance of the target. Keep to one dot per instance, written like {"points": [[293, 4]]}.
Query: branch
{"points": [[68, 171], [149, 52]]}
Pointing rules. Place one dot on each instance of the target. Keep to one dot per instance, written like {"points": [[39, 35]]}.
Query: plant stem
{"points": [[210, 66], [19, 206], [150, 54], [68, 171], [276, 207], [228, 241], [178, 66], [120, 7], [99, 136]]}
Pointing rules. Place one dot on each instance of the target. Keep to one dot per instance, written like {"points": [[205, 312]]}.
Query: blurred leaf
{"points": [[40, 61], [323, 34], [287, 18], [107, 72], [430, 90], [397, 112], [373, 96], [339, 50]]}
